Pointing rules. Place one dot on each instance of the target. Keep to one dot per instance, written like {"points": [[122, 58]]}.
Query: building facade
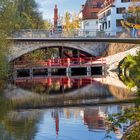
{"points": [[88, 17], [111, 15]]}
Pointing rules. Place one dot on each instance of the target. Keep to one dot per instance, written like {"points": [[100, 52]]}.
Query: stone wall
{"points": [[20, 48]]}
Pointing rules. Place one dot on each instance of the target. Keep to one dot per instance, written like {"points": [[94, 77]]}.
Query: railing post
{"points": [[89, 71], [49, 62], [80, 61], [31, 72], [68, 71], [49, 71], [68, 62], [102, 60]]}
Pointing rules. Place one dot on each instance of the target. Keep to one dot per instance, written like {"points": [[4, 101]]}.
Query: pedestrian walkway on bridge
{"points": [[38, 33]]}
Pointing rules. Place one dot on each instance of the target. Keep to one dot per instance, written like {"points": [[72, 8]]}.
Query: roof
{"points": [[107, 4], [91, 9]]}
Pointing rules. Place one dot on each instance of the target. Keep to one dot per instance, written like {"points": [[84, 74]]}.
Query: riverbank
{"points": [[77, 103]]}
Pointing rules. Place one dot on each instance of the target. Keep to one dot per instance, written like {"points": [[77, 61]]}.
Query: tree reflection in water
{"points": [[129, 116], [57, 123], [24, 124], [20, 125]]}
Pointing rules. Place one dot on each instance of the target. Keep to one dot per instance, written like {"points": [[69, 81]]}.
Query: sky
{"points": [[46, 7]]}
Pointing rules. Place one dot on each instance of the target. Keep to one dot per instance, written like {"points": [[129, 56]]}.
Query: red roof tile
{"points": [[91, 9]]}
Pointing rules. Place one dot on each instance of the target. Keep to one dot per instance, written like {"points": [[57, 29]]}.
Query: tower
{"points": [[55, 17]]}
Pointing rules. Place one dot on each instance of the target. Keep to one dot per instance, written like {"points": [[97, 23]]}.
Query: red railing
{"points": [[62, 62], [73, 82]]}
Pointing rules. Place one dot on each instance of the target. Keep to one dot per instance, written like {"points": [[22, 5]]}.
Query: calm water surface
{"points": [[79, 123], [74, 123]]}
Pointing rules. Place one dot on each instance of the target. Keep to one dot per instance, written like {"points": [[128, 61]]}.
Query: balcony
{"points": [[102, 20]]}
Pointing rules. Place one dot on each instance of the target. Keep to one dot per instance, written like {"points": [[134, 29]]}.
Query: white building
{"points": [[111, 15], [88, 17]]}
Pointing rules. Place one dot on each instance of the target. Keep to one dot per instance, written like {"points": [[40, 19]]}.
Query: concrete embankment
{"points": [[113, 60]]}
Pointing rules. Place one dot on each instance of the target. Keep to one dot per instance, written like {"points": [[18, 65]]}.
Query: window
{"points": [[93, 14], [120, 10], [109, 24], [86, 23], [125, 0], [100, 123], [96, 22], [93, 6], [99, 5], [100, 27], [108, 13], [103, 27], [118, 22]]}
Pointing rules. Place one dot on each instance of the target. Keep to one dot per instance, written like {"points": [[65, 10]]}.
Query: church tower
{"points": [[55, 17]]}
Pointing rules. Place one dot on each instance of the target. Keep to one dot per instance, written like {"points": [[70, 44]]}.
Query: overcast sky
{"points": [[47, 6]]}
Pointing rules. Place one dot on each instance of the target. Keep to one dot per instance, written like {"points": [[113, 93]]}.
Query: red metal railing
{"points": [[62, 62], [47, 82]]}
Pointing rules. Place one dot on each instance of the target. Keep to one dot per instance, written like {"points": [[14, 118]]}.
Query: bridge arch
{"points": [[21, 49]]}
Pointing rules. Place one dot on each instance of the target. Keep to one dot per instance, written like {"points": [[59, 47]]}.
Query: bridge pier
{"points": [[68, 71], [31, 73], [88, 71], [14, 74], [49, 72]]}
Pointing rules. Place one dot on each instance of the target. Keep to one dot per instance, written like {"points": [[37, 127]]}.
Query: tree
{"points": [[132, 65], [66, 21], [134, 12], [15, 15], [7, 11], [27, 15], [48, 25], [132, 115], [70, 23]]}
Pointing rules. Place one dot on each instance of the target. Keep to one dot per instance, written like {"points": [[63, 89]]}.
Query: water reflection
{"points": [[56, 85], [56, 91], [60, 123]]}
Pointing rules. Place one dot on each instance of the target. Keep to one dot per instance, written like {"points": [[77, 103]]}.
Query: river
{"points": [[64, 108]]}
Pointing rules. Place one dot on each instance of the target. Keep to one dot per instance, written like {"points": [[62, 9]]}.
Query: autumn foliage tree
{"points": [[134, 12], [70, 21]]}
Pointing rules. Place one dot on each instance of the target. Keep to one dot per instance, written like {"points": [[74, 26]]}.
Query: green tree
{"points": [[132, 65], [15, 15], [27, 15], [7, 11], [132, 115]]}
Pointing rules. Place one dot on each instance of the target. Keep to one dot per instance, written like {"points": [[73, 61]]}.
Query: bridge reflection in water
{"points": [[57, 85]]}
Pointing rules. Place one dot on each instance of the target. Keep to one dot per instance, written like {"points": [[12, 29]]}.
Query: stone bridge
{"points": [[92, 46]]}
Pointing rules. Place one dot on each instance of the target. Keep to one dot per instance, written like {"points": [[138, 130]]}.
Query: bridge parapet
{"points": [[38, 33]]}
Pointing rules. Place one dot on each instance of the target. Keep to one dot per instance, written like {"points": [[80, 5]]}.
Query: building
{"points": [[94, 120], [111, 15], [57, 27], [55, 17], [88, 17]]}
